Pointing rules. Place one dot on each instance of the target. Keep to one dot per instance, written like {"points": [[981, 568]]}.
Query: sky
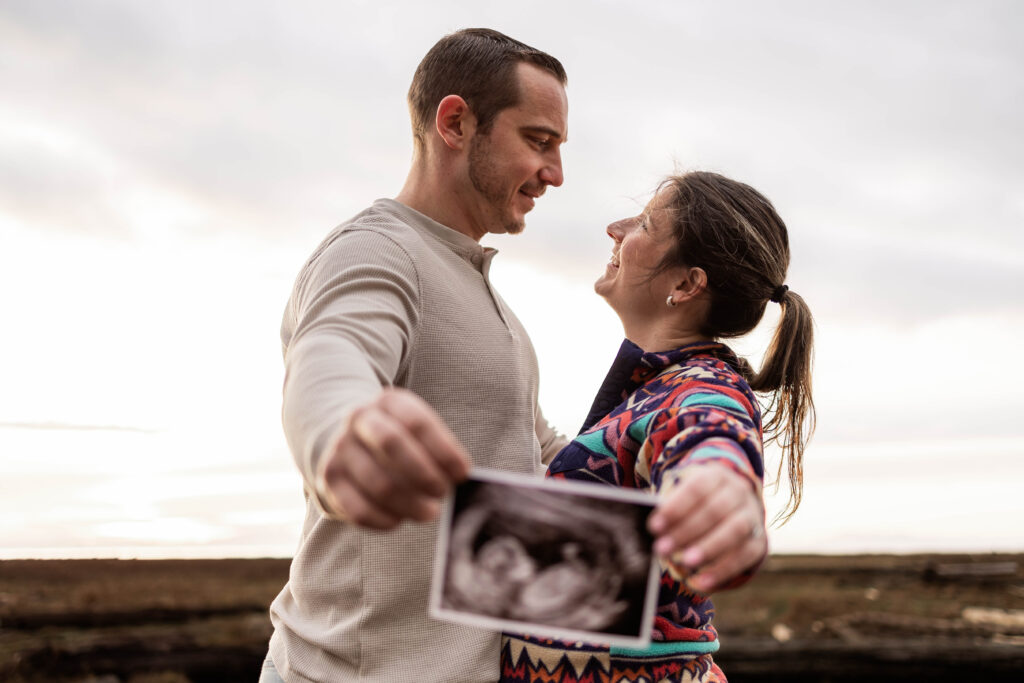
{"points": [[166, 167]]}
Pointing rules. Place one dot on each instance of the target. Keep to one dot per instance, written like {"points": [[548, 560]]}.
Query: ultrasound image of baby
{"points": [[552, 558]]}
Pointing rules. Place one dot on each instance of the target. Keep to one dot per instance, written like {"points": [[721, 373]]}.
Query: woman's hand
{"points": [[712, 524]]}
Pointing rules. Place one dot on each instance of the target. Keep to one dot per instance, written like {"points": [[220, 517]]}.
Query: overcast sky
{"points": [[165, 167]]}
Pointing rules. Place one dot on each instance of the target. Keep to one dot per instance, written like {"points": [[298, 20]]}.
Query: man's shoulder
{"points": [[365, 234], [374, 239], [382, 218]]}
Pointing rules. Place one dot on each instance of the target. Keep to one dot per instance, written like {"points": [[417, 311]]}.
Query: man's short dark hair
{"points": [[478, 65]]}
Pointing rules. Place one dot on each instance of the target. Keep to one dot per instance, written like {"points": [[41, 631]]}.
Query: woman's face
{"points": [[639, 243]]}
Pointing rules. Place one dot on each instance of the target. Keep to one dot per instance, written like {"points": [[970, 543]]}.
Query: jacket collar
{"points": [[633, 367]]}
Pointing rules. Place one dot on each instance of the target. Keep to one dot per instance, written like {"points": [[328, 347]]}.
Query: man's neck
{"points": [[425, 191]]}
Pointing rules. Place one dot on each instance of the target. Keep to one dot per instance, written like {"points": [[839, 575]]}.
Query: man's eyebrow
{"points": [[547, 131]]}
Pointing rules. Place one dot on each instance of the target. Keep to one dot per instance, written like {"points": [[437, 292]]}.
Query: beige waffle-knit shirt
{"points": [[394, 298]]}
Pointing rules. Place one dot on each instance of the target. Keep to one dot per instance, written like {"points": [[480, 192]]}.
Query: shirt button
{"points": [[476, 259]]}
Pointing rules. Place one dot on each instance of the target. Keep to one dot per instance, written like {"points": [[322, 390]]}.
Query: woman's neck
{"points": [[651, 338]]}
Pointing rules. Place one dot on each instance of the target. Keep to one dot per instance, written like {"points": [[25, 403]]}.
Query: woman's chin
{"points": [[605, 293], [603, 285]]}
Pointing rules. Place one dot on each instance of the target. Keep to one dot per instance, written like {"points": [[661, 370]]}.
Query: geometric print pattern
{"points": [[655, 415], [524, 661]]}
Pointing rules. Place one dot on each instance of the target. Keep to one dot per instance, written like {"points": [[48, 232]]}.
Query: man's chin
{"points": [[513, 225]]}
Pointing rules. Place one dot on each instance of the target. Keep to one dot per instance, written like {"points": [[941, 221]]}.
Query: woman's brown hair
{"points": [[733, 233]]}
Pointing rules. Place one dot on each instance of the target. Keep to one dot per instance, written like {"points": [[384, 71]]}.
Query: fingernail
{"points": [[656, 524], [702, 582], [692, 557], [664, 545]]}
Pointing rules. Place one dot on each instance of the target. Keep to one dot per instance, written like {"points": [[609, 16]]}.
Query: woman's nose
{"points": [[618, 229]]}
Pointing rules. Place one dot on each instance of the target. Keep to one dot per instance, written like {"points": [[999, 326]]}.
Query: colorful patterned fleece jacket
{"points": [[655, 416]]}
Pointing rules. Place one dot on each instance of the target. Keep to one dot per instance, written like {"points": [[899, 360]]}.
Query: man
{"points": [[404, 367]]}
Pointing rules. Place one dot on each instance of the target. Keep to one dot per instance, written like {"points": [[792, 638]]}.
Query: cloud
{"points": [[64, 426], [270, 116], [232, 113], [886, 135]]}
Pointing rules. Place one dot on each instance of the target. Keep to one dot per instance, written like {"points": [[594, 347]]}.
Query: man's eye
{"points": [[543, 143]]}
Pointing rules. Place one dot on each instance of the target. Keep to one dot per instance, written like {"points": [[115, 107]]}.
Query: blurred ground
{"points": [[803, 618], [876, 617]]}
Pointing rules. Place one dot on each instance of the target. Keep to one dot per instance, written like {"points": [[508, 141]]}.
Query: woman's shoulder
{"points": [[709, 379]]}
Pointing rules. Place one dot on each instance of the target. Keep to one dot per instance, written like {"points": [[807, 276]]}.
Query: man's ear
{"points": [[455, 122], [691, 286]]}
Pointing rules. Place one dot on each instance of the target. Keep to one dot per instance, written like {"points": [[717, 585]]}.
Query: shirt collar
{"points": [[463, 245]]}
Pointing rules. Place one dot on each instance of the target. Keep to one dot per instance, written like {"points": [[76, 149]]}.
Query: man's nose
{"points": [[551, 174]]}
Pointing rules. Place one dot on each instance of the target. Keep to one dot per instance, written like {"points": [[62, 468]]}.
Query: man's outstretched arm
{"points": [[369, 453]]}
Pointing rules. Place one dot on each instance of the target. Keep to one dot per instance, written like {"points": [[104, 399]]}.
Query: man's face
{"points": [[513, 164]]}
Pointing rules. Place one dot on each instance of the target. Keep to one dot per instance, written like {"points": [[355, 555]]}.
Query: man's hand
{"points": [[394, 460], [712, 524]]}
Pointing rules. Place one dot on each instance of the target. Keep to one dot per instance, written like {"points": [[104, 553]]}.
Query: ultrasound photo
{"points": [[548, 558]]}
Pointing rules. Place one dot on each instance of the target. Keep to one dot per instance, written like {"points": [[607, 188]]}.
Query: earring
{"points": [[669, 301]]}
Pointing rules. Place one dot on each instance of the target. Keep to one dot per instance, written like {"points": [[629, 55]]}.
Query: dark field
{"points": [[803, 618]]}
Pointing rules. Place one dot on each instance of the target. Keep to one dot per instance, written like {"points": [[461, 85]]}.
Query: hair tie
{"points": [[779, 292]]}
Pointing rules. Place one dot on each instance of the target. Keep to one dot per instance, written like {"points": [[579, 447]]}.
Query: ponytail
{"points": [[734, 233], [786, 376]]}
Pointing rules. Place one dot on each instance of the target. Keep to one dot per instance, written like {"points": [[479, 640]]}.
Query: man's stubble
{"points": [[486, 178]]}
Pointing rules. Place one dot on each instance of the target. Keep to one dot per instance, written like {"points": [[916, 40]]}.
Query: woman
{"points": [[677, 414]]}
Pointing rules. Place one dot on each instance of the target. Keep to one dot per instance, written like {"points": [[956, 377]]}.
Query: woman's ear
{"points": [[691, 286], [455, 122]]}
